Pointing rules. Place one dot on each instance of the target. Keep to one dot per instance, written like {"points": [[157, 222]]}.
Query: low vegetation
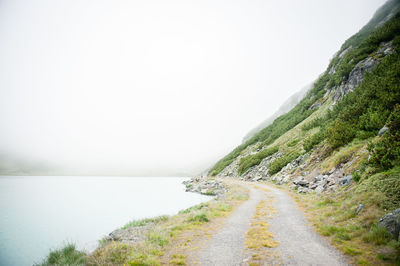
{"points": [[251, 160], [67, 255], [146, 221], [281, 162], [168, 237], [355, 234]]}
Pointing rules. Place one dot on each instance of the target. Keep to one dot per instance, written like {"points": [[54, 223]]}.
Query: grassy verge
{"points": [[167, 241], [356, 235]]}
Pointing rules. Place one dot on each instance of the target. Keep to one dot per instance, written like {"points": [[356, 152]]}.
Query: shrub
{"points": [[255, 159], [281, 162], [67, 255], [313, 140], [317, 122], [385, 153], [339, 133]]}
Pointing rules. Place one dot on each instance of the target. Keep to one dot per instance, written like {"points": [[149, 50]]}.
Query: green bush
{"points": [[255, 159], [385, 153], [317, 122], [281, 162], [67, 255], [313, 140]]}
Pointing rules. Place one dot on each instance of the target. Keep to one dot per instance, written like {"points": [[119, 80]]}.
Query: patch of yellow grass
{"points": [[258, 235], [258, 238]]}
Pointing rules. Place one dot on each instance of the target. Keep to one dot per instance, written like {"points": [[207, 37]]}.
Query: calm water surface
{"points": [[42, 213]]}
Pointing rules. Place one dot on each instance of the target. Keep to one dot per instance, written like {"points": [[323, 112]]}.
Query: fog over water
{"points": [[153, 87]]}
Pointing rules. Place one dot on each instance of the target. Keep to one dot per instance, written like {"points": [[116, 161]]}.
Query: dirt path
{"points": [[298, 243], [227, 246]]}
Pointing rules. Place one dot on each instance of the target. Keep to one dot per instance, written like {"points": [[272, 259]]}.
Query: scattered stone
{"points": [[391, 222], [319, 189], [132, 234], [360, 207], [383, 130], [205, 186], [346, 180]]}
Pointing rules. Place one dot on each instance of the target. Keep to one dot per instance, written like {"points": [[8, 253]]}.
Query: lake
{"points": [[42, 213]]}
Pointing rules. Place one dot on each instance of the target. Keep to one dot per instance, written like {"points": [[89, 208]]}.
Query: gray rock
{"points": [[346, 180], [383, 130], [297, 180], [360, 207], [319, 189], [391, 222], [303, 183], [302, 190]]}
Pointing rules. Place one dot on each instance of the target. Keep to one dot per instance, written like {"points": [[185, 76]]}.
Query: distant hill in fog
{"points": [[291, 102]]}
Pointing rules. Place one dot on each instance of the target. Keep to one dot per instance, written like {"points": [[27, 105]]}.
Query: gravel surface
{"points": [[227, 246], [298, 243]]}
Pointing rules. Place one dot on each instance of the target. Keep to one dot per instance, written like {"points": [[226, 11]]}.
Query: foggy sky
{"points": [[155, 87]]}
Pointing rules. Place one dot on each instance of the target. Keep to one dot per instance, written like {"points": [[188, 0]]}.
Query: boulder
{"points": [[319, 189], [303, 183], [302, 190], [359, 208], [383, 130], [391, 222], [346, 180]]}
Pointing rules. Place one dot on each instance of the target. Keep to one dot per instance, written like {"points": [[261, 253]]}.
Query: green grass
{"points": [[377, 235], [195, 208], [202, 218], [68, 255], [145, 221]]}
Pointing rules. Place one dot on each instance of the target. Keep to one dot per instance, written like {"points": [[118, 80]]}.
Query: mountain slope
{"points": [[340, 145], [358, 55], [291, 102]]}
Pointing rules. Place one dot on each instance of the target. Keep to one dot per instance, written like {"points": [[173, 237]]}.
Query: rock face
{"points": [[205, 186], [130, 235], [391, 222], [358, 72]]}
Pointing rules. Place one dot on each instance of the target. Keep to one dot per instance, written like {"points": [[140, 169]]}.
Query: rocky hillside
{"points": [[339, 147], [345, 129]]}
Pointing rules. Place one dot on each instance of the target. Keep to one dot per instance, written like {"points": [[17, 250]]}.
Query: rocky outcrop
{"points": [[391, 222], [205, 186], [357, 74], [133, 234]]}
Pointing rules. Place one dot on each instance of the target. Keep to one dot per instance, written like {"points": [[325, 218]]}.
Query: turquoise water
{"points": [[41, 213]]}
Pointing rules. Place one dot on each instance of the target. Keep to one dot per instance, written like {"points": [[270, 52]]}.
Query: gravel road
{"points": [[298, 243]]}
